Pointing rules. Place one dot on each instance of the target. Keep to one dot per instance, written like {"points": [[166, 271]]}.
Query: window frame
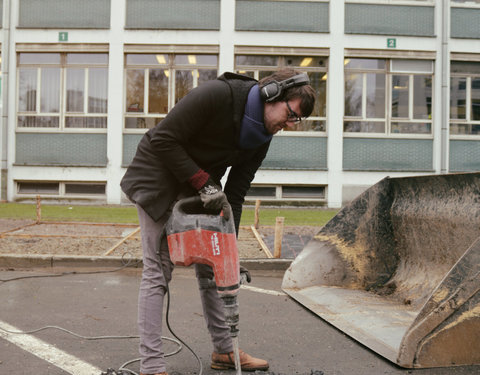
{"points": [[62, 114], [279, 193], [394, 2], [454, 4], [388, 120], [172, 68], [298, 1], [61, 191], [468, 106]]}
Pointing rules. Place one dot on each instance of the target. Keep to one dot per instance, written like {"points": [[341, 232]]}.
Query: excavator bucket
{"points": [[398, 269]]}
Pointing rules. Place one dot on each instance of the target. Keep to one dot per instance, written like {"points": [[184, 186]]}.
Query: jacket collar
{"points": [[240, 86]]}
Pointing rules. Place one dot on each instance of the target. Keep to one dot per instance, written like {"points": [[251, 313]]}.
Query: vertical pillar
{"points": [[443, 28], [335, 103], [227, 30], [10, 15], [115, 102], [5, 68]]}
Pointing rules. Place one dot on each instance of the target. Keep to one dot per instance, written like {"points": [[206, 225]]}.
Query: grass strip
{"points": [[128, 214]]}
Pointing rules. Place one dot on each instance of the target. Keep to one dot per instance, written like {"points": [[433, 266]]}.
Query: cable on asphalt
{"points": [[177, 340]]}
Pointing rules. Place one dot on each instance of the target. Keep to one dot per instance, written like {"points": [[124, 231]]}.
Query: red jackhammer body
{"points": [[197, 235]]}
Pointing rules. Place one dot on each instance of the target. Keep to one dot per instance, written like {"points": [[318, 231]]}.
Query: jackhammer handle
{"points": [[194, 205], [194, 199]]}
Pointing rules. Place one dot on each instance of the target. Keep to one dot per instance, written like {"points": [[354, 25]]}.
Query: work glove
{"points": [[245, 276], [214, 198]]}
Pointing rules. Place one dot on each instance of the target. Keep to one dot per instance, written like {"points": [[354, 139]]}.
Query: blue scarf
{"points": [[253, 133]]}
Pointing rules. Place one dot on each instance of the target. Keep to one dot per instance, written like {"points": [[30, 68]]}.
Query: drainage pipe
{"points": [[445, 63], [5, 65]]}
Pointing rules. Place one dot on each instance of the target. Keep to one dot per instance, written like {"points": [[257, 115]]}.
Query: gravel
{"points": [[27, 237]]}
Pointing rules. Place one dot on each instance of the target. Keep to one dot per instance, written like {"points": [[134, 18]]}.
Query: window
{"points": [[37, 187], [388, 96], [465, 2], [393, 2], [61, 189], [303, 192], [465, 98], [261, 192], [62, 90], [260, 66], [156, 82], [286, 192]]}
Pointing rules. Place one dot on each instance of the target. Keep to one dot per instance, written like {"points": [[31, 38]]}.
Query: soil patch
{"points": [[90, 239]]}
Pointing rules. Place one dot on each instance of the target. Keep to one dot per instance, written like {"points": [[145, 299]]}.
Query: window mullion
{"points": [[63, 97], [388, 103], [168, 73], [468, 101], [145, 91], [172, 86], [171, 81], [39, 91], [61, 189], [364, 96], [410, 97], [86, 90], [195, 77], [63, 92]]}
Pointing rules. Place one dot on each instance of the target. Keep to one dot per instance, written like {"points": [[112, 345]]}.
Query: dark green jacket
{"points": [[201, 131]]}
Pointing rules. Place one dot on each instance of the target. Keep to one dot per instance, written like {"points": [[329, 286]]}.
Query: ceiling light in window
{"points": [[161, 59], [192, 59], [306, 61]]}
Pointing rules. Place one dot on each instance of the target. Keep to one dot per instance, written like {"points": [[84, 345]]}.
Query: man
{"points": [[227, 122]]}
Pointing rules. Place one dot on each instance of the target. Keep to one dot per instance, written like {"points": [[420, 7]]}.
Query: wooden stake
{"points": [[277, 244], [39, 209], [112, 249], [36, 235], [264, 247], [257, 208], [98, 224], [8, 232]]}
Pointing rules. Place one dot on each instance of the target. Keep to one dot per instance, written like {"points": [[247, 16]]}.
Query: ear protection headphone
{"points": [[274, 89]]}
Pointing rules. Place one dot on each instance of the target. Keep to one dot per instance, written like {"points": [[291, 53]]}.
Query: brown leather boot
{"points": [[248, 363]]}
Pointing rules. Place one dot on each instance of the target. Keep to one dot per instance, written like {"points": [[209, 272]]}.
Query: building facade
{"points": [[398, 85]]}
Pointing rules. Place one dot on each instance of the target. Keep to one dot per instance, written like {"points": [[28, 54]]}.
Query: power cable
{"points": [[122, 368], [200, 365], [67, 331], [180, 342], [91, 338]]}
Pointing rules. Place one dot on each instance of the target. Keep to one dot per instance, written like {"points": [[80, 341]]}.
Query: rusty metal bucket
{"points": [[398, 269]]}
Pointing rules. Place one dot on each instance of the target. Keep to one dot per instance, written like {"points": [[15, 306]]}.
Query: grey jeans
{"points": [[157, 273]]}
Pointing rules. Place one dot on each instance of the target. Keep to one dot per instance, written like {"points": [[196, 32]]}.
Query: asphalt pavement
{"points": [[94, 305]]}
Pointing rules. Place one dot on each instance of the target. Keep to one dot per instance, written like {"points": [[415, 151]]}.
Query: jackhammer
{"points": [[198, 235]]}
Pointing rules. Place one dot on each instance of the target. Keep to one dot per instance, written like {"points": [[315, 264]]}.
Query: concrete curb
{"points": [[266, 264], [51, 260]]}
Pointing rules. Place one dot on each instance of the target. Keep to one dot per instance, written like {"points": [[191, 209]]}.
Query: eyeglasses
{"points": [[292, 116]]}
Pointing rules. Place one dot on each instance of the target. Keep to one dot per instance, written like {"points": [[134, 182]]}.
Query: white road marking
{"points": [[47, 352], [264, 291]]}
